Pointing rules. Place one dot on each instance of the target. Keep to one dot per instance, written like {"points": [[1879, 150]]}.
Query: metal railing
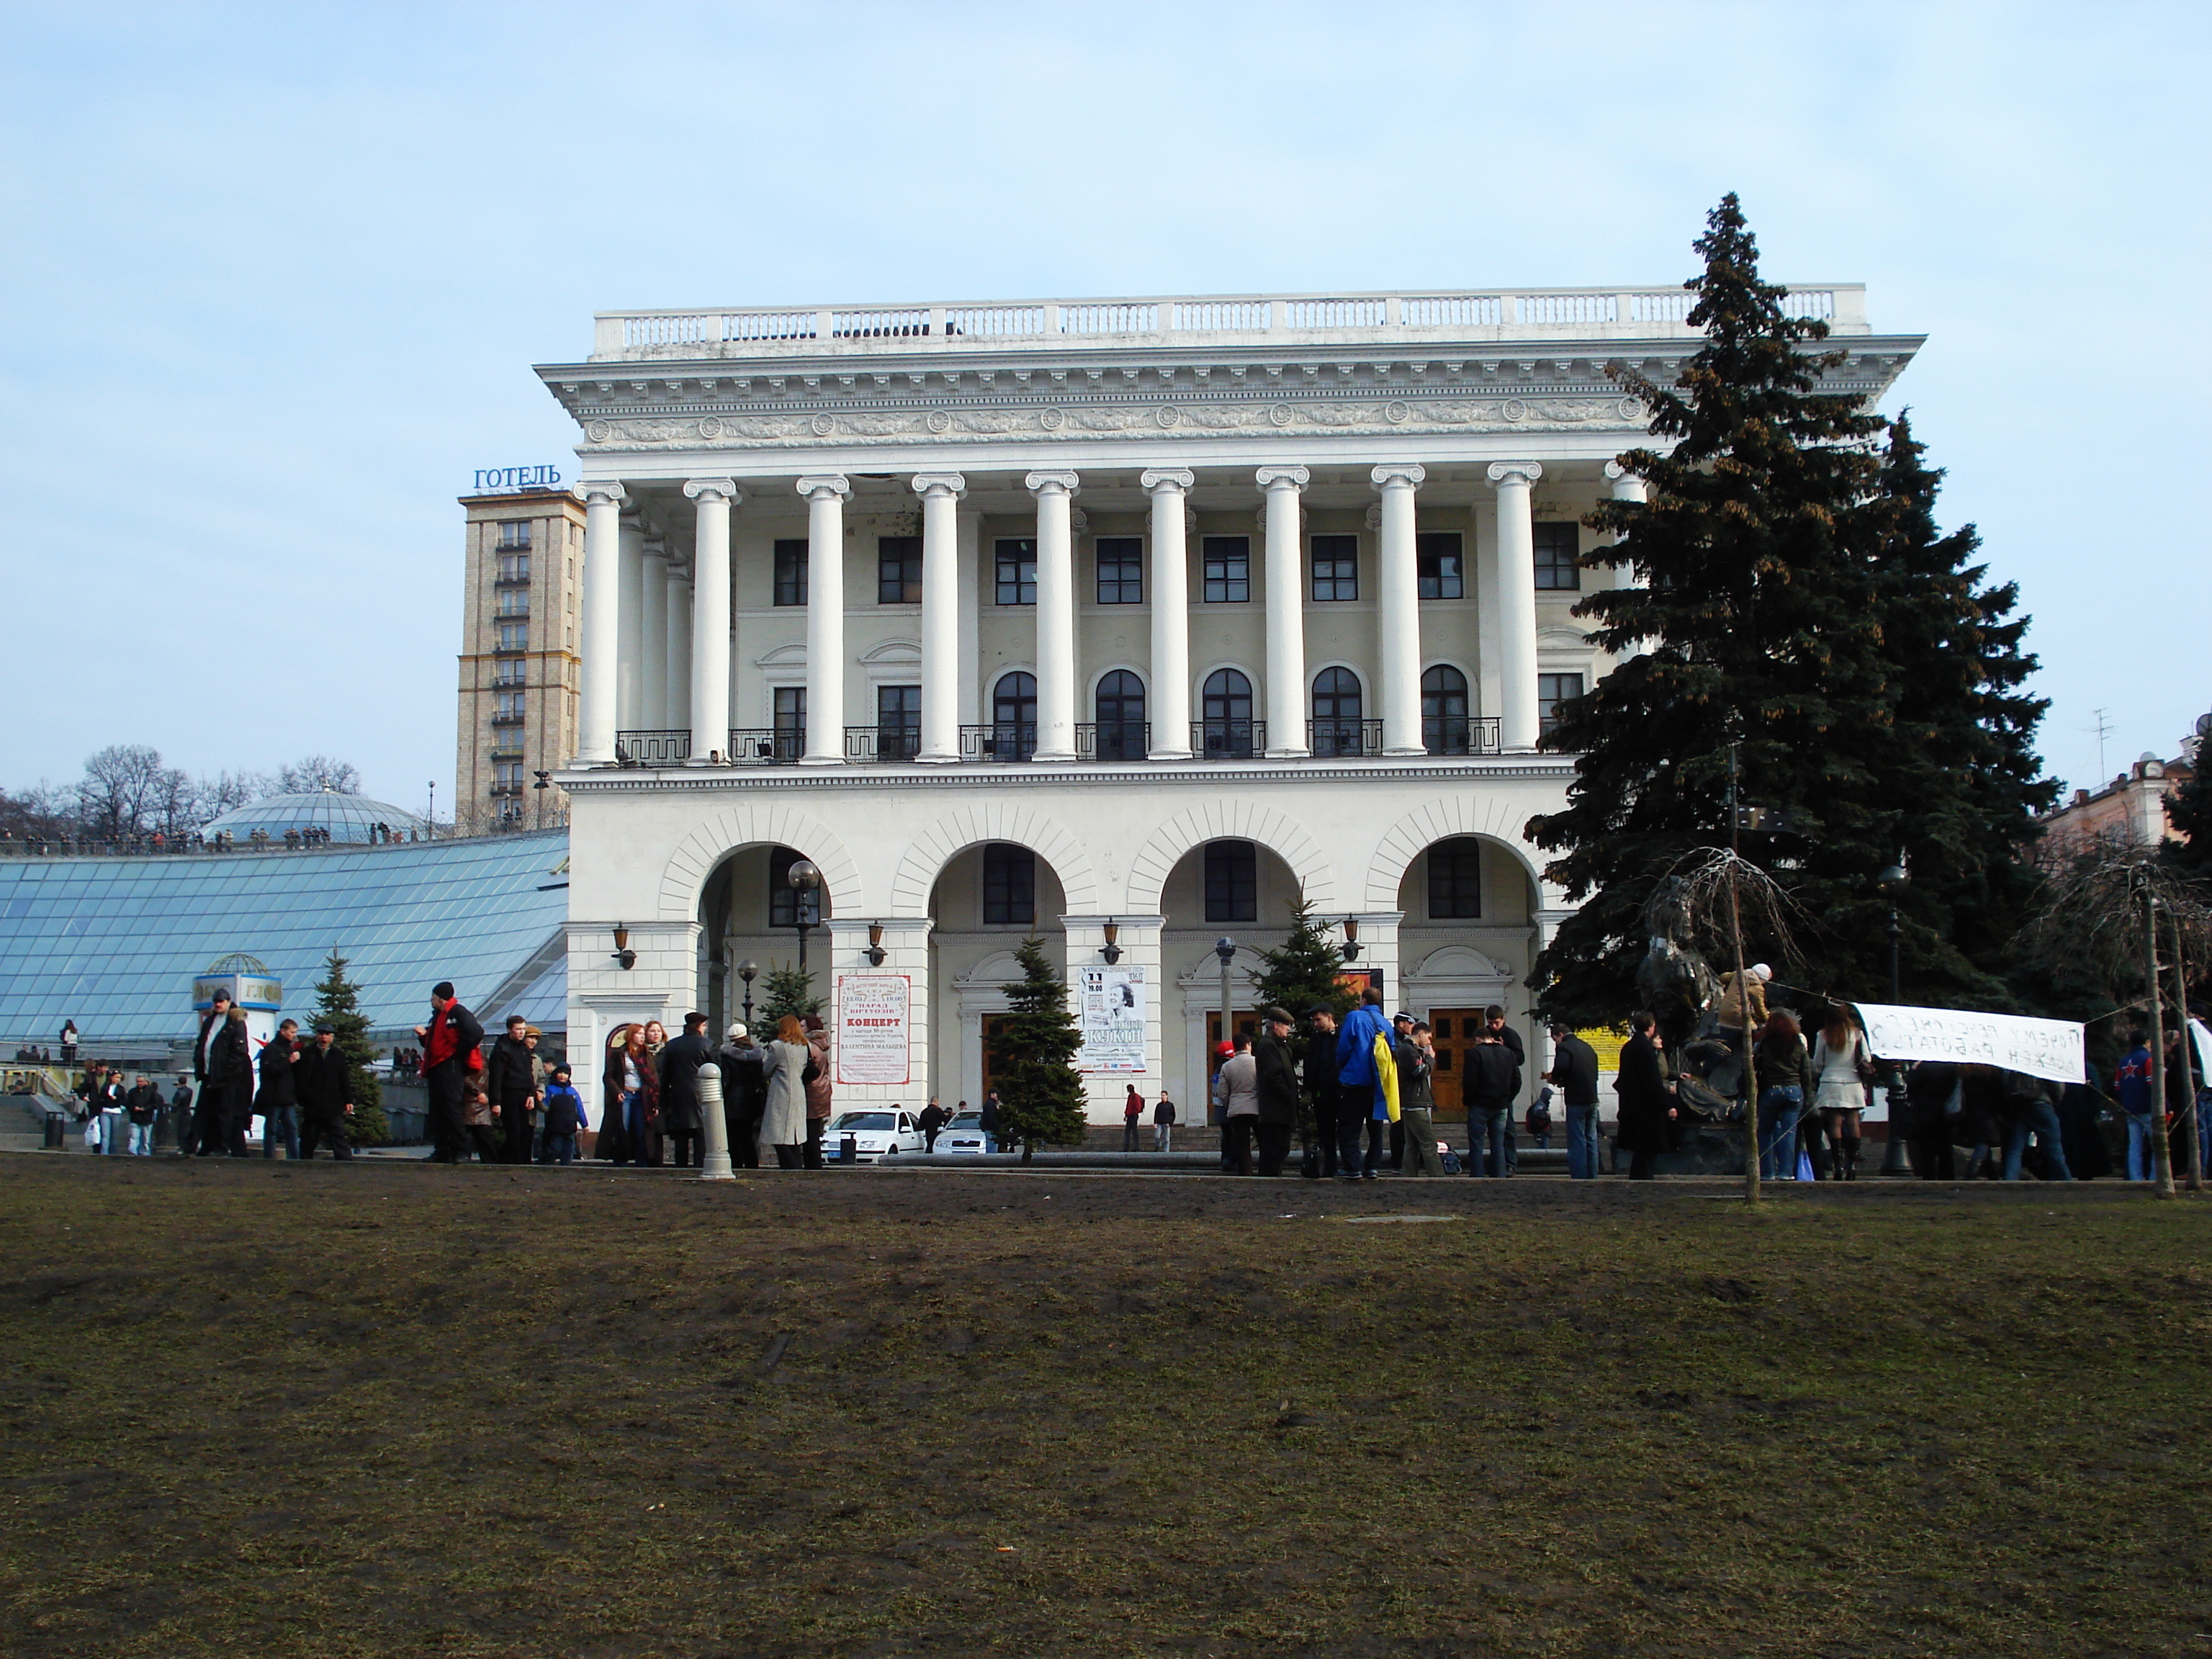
{"points": [[891, 743], [1002, 740], [1492, 314], [1228, 739], [766, 746], [1113, 740], [652, 748], [1332, 737], [1461, 734]]}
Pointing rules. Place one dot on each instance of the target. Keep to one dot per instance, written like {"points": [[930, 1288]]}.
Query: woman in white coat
{"points": [[1842, 1068], [783, 1120]]}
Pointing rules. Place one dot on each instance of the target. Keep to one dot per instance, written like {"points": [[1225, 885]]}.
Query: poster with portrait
{"points": [[871, 1042], [1112, 1017]]}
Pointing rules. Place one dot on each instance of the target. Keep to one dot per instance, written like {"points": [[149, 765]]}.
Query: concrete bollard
{"points": [[713, 1125]]}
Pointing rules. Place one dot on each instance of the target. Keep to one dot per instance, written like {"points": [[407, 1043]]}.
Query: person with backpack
{"points": [[1133, 1112]]}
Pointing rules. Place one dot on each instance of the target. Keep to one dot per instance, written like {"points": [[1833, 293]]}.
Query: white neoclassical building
{"points": [[1123, 622]]}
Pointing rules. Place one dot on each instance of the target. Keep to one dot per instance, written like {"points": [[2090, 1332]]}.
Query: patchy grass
{"points": [[271, 1410]]}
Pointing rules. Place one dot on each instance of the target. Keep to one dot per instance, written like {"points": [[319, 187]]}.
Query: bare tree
{"points": [[121, 786], [44, 811], [219, 794], [318, 772]]}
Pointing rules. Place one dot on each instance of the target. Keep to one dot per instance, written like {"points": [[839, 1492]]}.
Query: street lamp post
{"points": [[806, 882], [747, 970], [1894, 1160]]}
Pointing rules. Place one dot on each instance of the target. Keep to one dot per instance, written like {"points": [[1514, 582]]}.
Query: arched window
{"points": [[1120, 710], [1337, 724], [1013, 718], [1444, 711], [1226, 729]]}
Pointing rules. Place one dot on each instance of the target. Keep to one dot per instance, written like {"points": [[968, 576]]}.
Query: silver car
{"points": [[963, 1134]]}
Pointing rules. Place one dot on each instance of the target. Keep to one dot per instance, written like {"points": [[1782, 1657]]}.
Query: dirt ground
{"points": [[266, 1409]]}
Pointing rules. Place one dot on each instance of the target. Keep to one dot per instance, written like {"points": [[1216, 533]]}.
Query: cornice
{"points": [[686, 779]]}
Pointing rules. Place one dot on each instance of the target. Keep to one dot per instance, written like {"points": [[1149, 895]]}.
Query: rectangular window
{"points": [[898, 722], [1556, 569], [783, 909], [1232, 881], [1335, 568], [515, 602], [1016, 570], [506, 775], [1228, 569], [1552, 690], [790, 722], [898, 570], [514, 535], [1438, 565], [1009, 886], [790, 571], [507, 706], [514, 567], [1455, 880], [513, 637], [1121, 569]]}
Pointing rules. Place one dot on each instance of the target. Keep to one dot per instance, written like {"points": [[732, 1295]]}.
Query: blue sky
{"points": [[275, 276]]}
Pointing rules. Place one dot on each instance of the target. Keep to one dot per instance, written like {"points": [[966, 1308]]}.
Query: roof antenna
{"points": [[2102, 729]]}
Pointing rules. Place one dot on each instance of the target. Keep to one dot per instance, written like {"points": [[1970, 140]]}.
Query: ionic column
{"points": [[1168, 698], [679, 648], [1625, 486], [630, 657], [1056, 614], [1517, 597], [940, 493], [710, 617], [653, 642], [825, 618], [1399, 607], [1287, 613], [599, 643], [968, 538]]}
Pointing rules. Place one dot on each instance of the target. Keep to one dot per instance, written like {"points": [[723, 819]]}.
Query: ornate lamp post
{"points": [[806, 882], [748, 970], [1225, 948]]}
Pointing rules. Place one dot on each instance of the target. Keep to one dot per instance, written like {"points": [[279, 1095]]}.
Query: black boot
{"points": [[1850, 1157]]}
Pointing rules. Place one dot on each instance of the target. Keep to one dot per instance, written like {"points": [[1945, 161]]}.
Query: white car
{"points": [[963, 1134], [876, 1134]]}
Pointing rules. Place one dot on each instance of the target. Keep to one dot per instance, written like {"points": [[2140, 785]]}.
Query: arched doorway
{"points": [[1013, 716], [1337, 713], [988, 898], [1226, 724], [1231, 889], [1464, 943], [749, 912], [1119, 706]]}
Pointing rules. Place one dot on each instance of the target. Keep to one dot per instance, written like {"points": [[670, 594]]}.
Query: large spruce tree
{"points": [[1795, 600], [1033, 1054]]}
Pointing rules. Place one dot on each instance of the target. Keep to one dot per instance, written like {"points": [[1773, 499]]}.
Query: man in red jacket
{"points": [[448, 1040]]}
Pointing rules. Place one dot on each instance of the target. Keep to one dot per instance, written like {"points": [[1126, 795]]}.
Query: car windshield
{"points": [[863, 1121], [967, 1120]]}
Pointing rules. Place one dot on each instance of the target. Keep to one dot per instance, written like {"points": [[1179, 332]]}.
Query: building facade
{"points": [[520, 672], [1129, 623]]}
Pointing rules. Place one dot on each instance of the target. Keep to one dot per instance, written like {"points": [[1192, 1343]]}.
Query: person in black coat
{"points": [[1321, 1086], [276, 1100], [448, 1040], [1276, 1081], [1929, 1086], [323, 1080], [511, 1080], [679, 1091], [744, 1094], [1647, 1111], [222, 1065]]}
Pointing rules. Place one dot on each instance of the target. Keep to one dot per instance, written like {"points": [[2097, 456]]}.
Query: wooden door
{"points": [[993, 1024], [1455, 1030]]}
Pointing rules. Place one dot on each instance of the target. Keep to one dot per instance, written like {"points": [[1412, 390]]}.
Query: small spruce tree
{"points": [[337, 1004], [788, 990], [1033, 1059]]}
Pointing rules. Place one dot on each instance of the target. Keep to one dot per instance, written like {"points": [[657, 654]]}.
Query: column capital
{"points": [[603, 489], [1505, 474], [825, 484], [1615, 472], [941, 484], [721, 489], [1412, 474], [1158, 479], [1277, 477], [1039, 483]]}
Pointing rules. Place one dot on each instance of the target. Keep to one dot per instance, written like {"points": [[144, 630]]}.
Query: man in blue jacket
{"points": [[1355, 1072], [2131, 1083]]}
